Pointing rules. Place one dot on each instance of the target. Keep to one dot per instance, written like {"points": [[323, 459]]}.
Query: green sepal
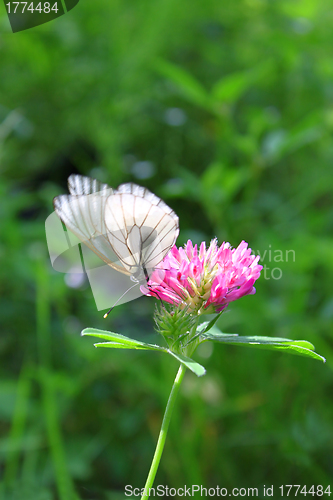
{"points": [[173, 323]]}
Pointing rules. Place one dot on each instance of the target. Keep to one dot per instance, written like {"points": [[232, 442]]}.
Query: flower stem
{"points": [[163, 431]]}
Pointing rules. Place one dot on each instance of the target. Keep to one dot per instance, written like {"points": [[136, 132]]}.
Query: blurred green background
{"points": [[225, 110]]}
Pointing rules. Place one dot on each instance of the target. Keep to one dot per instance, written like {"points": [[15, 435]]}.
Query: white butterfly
{"points": [[129, 228]]}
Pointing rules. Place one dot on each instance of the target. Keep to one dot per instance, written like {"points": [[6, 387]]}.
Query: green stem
{"points": [[163, 431]]}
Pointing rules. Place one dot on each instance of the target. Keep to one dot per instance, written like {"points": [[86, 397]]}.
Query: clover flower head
{"points": [[204, 280]]}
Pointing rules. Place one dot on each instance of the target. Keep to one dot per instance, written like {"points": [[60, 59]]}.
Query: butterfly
{"points": [[129, 228]]}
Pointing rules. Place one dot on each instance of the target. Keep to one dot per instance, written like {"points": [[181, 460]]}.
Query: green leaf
{"points": [[232, 87], [189, 86], [139, 345], [300, 347], [118, 341], [207, 325], [195, 367]]}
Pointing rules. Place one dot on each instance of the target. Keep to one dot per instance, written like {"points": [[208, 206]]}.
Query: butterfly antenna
{"points": [[114, 305]]}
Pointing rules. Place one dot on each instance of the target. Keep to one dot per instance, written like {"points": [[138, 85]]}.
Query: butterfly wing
{"points": [[83, 214], [79, 185], [141, 228], [130, 229]]}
